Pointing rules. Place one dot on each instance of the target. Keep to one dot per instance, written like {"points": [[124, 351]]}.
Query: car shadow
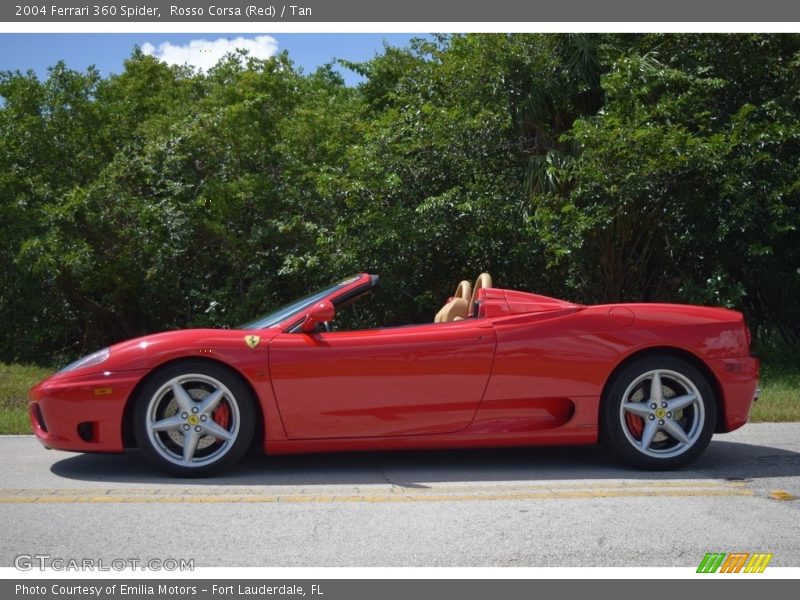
{"points": [[416, 469]]}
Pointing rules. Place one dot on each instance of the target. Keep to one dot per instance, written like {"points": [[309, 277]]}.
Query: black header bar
{"points": [[441, 11]]}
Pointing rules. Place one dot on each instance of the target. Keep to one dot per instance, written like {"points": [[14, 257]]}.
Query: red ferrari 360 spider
{"points": [[496, 368]]}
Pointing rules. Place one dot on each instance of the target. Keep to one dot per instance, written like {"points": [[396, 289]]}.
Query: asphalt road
{"points": [[512, 507]]}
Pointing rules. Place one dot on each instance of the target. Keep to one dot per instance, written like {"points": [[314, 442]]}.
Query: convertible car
{"points": [[496, 367]]}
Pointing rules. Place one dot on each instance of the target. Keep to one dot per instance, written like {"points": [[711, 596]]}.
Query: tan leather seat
{"points": [[454, 310], [457, 308]]}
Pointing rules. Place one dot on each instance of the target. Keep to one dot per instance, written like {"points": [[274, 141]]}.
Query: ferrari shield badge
{"points": [[252, 340]]}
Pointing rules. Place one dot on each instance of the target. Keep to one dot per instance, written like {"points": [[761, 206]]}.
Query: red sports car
{"points": [[496, 368]]}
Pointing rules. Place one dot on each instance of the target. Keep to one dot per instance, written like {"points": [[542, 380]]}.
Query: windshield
{"points": [[286, 311]]}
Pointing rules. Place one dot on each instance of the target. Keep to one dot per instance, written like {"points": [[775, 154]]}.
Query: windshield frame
{"points": [[288, 315]]}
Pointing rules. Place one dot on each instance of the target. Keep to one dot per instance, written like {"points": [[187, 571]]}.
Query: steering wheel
{"points": [[484, 281]]}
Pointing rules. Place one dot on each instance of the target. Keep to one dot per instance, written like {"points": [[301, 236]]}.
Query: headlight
{"points": [[87, 361]]}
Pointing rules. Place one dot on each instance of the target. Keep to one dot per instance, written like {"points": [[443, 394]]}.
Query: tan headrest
{"points": [[464, 290], [484, 281]]}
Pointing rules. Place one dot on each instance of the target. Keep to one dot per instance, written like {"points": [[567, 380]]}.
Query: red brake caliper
{"points": [[635, 425], [222, 415]]}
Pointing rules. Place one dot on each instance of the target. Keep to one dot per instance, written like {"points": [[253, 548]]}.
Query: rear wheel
{"points": [[658, 413], [194, 418]]}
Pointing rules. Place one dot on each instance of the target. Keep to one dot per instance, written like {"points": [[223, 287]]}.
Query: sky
{"points": [[107, 51]]}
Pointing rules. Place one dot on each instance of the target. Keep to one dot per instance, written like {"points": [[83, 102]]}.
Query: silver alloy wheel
{"points": [[180, 420], [671, 410]]}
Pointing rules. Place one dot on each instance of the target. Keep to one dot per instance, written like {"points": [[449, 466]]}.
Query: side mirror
{"points": [[319, 313]]}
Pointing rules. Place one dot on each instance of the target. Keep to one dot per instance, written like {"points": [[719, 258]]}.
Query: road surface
{"points": [[512, 507]]}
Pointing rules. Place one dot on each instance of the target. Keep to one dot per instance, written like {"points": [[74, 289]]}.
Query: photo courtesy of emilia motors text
{"points": [[345, 299]]}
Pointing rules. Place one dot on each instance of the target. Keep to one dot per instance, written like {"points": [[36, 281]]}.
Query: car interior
{"points": [[351, 313], [462, 303]]}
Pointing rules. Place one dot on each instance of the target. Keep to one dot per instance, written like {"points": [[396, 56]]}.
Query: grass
{"points": [[15, 381], [780, 394]]}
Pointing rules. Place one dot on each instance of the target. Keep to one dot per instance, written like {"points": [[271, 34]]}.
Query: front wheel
{"points": [[194, 418], [658, 413]]}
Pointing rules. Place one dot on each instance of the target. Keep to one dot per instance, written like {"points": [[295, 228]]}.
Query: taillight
{"points": [[749, 336]]}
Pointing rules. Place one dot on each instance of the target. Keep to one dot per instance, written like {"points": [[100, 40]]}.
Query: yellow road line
{"points": [[362, 489], [121, 496], [781, 495]]}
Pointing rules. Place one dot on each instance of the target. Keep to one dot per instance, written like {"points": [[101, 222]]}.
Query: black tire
{"points": [[648, 437], [212, 424]]}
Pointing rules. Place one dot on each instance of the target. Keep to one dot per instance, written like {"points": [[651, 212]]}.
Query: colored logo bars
{"points": [[734, 562]]}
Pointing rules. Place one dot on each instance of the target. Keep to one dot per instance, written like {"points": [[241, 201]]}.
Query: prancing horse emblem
{"points": [[252, 340]]}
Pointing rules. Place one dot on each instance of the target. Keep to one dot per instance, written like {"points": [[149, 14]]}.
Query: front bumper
{"points": [[82, 413]]}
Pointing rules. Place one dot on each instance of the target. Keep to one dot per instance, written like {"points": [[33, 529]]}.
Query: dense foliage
{"points": [[591, 167]]}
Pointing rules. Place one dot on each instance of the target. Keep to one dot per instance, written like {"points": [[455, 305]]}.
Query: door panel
{"points": [[422, 379]]}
